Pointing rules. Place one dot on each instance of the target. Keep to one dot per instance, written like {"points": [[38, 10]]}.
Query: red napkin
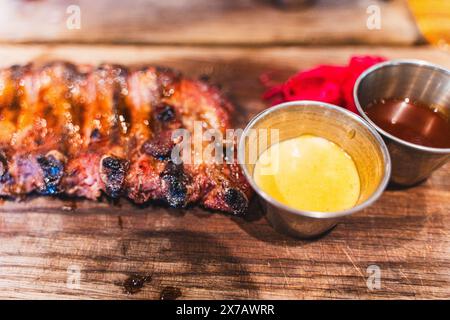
{"points": [[326, 83]]}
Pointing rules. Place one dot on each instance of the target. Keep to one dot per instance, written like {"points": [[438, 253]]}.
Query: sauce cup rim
{"points": [[316, 214], [397, 62]]}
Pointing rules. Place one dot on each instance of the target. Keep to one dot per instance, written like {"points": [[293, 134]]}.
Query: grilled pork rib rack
{"points": [[86, 131]]}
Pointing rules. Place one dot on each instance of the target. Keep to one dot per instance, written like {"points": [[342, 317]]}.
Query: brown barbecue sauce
{"points": [[411, 121]]}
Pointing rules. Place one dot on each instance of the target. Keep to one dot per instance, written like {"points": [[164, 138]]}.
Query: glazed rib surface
{"points": [[88, 131]]}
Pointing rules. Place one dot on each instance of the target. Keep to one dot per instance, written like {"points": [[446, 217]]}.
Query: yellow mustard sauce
{"points": [[308, 173]]}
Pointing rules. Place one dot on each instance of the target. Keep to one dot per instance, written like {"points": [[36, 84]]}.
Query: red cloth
{"points": [[326, 83]]}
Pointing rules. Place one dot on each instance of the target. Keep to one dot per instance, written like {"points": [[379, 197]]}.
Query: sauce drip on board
{"points": [[411, 121], [309, 173]]}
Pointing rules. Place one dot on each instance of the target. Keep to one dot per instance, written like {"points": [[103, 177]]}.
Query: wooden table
{"points": [[213, 256]]}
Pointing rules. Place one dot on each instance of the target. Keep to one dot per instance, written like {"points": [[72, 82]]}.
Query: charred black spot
{"points": [[17, 71], [204, 77], [165, 113], [52, 170], [135, 282], [6, 178], [236, 200], [3, 164], [102, 67], [121, 71], [4, 174], [113, 172], [112, 163], [48, 110], [157, 150], [177, 182], [95, 134], [70, 71]]}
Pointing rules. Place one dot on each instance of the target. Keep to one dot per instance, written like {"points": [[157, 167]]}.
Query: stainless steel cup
{"points": [[336, 124], [416, 80]]}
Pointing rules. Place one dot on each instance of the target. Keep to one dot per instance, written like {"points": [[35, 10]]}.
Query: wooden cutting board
{"points": [[47, 245]]}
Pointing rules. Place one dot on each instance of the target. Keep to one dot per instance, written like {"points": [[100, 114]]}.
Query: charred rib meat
{"points": [[85, 131]]}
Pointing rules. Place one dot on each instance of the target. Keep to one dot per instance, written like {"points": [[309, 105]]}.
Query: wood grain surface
{"points": [[218, 22], [433, 20], [209, 255]]}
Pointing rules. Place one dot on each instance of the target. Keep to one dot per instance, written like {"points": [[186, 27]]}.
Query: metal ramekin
{"points": [[419, 81], [336, 124]]}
